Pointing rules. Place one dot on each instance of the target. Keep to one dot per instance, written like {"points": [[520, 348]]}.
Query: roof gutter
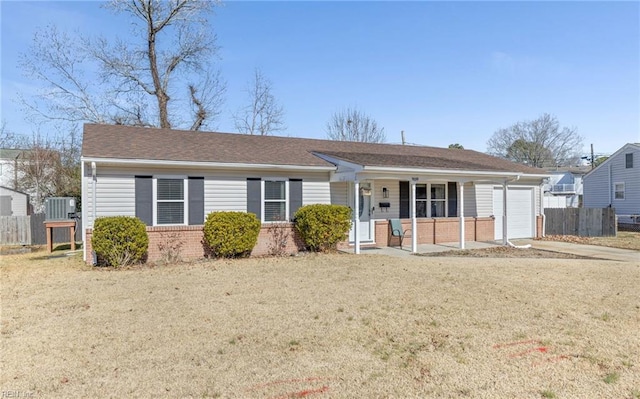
{"points": [[219, 165], [515, 175]]}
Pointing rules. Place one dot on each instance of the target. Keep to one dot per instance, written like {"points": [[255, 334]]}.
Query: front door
{"points": [[364, 211]]}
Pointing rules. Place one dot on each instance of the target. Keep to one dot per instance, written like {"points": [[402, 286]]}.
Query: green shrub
{"points": [[231, 234], [119, 240], [322, 227]]}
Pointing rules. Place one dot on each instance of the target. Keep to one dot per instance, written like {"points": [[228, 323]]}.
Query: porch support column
{"points": [[414, 223], [356, 217], [461, 212], [505, 188]]}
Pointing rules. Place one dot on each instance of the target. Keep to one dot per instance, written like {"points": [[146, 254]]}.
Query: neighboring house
{"points": [[564, 187], [13, 203], [172, 179], [9, 159], [616, 183]]}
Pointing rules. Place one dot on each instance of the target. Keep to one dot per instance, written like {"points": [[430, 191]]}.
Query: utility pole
{"points": [[592, 158]]}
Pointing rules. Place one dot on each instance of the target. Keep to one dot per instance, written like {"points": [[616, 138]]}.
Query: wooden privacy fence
{"points": [[584, 222], [30, 230]]}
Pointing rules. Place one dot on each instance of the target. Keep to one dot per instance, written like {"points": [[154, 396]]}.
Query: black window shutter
{"points": [[295, 196], [452, 187], [196, 200], [144, 199], [254, 190], [404, 200]]}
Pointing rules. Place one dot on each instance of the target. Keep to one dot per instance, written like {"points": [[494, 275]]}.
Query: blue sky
{"points": [[444, 72]]}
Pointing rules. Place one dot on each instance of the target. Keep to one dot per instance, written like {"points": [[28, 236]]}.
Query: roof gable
{"points": [[625, 148], [138, 143]]}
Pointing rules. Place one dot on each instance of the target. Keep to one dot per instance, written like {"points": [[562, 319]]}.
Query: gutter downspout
{"points": [[461, 214], [84, 214], [93, 193], [610, 186], [414, 221]]}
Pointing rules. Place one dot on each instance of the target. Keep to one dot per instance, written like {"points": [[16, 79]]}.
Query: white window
{"points": [[170, 203], [431, 200], [275, 201], [421, 200], [618, 191], [438, 200]]}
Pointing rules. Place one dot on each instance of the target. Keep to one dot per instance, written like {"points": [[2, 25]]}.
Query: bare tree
{"points": [[350, 124], [36, 169], [48, 167], [538, 143], [7, 137], [170, 51], [263, 115]]}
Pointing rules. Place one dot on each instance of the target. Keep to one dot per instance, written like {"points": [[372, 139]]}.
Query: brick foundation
{"points": [[190, 238], [438, 230], [429, 230]]}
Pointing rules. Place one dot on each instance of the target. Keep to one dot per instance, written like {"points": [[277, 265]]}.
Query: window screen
{"points": [[275, 201], [170, 201]]}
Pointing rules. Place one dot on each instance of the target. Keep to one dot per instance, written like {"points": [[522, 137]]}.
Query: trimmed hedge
{"points": [[231, 234], [322, 226], [119, 240]]}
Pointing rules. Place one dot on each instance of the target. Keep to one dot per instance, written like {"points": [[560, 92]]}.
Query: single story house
{"points": [[616, 183], [172, 179], [13, 202]]}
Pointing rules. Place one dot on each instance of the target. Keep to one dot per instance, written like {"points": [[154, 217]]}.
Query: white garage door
{"points": [[520, 212]]}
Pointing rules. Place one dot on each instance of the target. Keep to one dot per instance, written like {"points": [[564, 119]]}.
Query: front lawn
{"points": [[329, 326]]}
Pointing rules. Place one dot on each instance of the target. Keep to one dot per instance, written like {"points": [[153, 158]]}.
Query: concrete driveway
{"points": [[593, 251]]}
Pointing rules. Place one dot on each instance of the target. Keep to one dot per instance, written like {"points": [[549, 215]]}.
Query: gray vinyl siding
{"points": [[315, 192], [225, 194], [631, 179], [18, 201], [470, 208], [394, 195], [599, 188], [339, 192], [484, 200], [115, 196], [595, 188]]}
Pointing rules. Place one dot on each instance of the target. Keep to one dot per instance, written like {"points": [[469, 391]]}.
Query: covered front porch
{"points": [[405, 251], [435, 206]]}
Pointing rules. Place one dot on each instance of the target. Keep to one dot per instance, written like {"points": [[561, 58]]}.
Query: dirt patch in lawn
{"points": [[624, 240], [505, 252], [334, 326]]}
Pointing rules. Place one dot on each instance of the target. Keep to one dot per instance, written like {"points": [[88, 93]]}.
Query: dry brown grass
{"points": [[338, 326], [624, 240]]}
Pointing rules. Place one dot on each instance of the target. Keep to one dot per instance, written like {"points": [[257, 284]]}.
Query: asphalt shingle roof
{"points": [[139, 143]]}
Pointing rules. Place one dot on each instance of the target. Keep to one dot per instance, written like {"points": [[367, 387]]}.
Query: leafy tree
{"points": [[148, 79], [263, 115], [456, 146], [538, 143], [599, 160], [351, 124]]}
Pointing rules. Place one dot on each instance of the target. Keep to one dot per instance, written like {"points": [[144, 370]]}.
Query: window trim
{"points": [[184, 201], [445, 200], [615, 191], [429, 199], [263, 201]]}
